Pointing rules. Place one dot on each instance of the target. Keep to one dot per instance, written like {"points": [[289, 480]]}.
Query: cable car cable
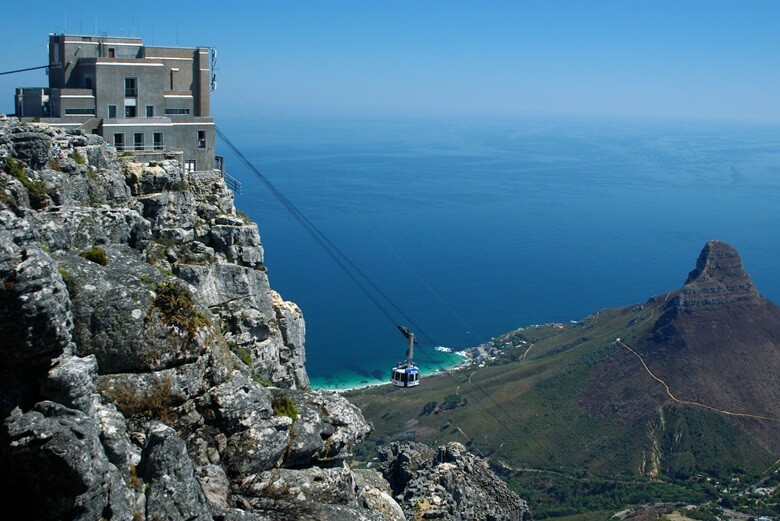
{"points": [[341, 259], [352, 270], [27, 69], [430, 288], [329, 247]]}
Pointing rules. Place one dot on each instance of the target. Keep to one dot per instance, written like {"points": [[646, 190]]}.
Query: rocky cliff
{"points": [[148, 369], [448, 483]]}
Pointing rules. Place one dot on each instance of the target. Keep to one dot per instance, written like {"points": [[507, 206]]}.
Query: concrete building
{"points": [[151, 101]]}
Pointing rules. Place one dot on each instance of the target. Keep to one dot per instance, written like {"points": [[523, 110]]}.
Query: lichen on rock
{"points": [[162, 378]]}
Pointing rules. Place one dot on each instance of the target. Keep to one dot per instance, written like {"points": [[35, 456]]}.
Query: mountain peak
{"points": [[719, 278]]}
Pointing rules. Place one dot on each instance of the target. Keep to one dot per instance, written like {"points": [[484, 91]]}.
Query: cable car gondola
{"points": [[406, 374]]}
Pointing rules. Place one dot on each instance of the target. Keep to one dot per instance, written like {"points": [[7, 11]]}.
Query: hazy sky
{"points": [[680, 59]]}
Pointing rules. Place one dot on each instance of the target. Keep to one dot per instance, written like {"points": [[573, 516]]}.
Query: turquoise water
{"points": [[477, 227]]}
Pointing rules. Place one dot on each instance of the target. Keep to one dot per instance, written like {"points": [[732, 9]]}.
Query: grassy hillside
{"points": [[536, 412]]}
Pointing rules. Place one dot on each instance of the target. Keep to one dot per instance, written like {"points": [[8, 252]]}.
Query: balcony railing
{"points": [[144, 148]]}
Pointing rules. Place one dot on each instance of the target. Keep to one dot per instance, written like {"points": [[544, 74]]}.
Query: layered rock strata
{"points": [[147, 368]]}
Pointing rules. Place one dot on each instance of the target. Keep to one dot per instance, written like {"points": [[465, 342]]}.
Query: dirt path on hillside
{"points": [[687, 402]]}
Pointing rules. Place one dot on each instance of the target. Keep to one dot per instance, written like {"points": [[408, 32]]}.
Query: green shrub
{"points": [[95, 254], [243, 216], [265, 382], [179, 185], [451, 401], [152, 403], [174, 302], [78, 158], [243, 355], [15, 168], [428, 408], [284, 406]]}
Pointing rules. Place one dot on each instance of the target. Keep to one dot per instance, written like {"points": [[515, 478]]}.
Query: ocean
{"points": [[475, 227]]}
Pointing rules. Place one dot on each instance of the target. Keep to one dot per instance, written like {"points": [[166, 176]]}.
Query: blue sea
{"points": [[475, 227]]}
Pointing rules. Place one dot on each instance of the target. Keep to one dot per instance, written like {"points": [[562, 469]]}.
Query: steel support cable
{"points": [[345, 263], [430, 288], [480, 388], [341, 259], [25, 70]]}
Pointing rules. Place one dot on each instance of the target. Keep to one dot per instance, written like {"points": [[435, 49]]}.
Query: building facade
{"points": [[151, 101]]}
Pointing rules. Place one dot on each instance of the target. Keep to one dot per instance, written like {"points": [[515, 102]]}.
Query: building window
{"points": [[189, 165], [88, 81], [131, 87], [176, 111], [130, 111], [111, 111], [201, 139], [111, 52], [150, 111], [119, 141], [158, 140], [80, 112], [138, 141], [174, 70]]}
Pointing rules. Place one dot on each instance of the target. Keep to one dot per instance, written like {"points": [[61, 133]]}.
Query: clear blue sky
{"points": [[679, 59]]}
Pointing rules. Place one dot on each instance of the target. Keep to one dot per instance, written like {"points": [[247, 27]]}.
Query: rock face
{"points": [[715, 290], [448, 483], [718, 280], [148, 369]]}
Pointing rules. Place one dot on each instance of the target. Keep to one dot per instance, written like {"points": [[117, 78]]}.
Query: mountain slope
{"points": [[572, 399], [716, 343]]}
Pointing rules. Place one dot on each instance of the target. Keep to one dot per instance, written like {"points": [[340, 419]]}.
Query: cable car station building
{"points": [[151, 101]]}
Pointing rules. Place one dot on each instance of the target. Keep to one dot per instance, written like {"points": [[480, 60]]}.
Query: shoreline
{"points": [[476, 355], [465, 361]]}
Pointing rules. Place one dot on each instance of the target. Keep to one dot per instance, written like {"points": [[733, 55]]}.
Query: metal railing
{"points": [[232, 183], [156, 147]]}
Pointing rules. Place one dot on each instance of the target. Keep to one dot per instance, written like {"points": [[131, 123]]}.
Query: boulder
{"points": [[55, 456], [448, 483]]}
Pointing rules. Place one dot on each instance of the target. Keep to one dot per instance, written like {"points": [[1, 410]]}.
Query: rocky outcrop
{"points": [[716, 289], [148, 369], [718, 279], [448, 483]]}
